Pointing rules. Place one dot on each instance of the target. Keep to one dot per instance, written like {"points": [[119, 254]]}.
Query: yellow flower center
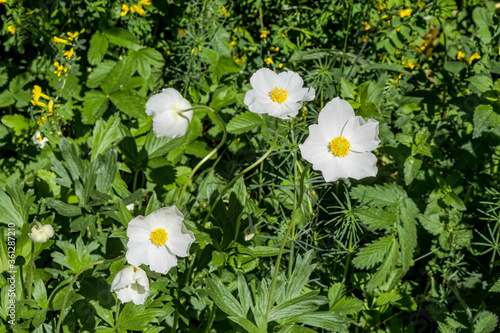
{"points": [[279, 95], [39, 138], [159, 236], [340, 146]]}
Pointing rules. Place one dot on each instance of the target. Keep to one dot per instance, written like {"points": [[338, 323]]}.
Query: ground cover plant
{"points": [[250, 166]]}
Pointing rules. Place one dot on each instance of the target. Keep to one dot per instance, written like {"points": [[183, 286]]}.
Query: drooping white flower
{"points": [[130, 207], [250, 230], [41, 233], [279, 95], [38, 140], [131, 284], [340, 144], [165, 108], [157, 239]]}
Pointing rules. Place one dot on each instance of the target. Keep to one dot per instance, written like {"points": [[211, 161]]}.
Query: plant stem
{"points": [[280, 253], [73, 280], [179, 200], [32, 268], [231, 183]]}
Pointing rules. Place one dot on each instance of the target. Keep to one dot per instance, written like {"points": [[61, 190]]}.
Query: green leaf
{"points": [[64, 209], [377, 218], [70, 156], [407, 232], [153, 205], [244, 293], [133, 317], [223, 298], [246, 324], [295, 306], [6, 98], [223, 96], [373, 253], [107, 167], [347, 89], [495, 287], [15, 203], [98, 47], [485, 322], [348, 305], [485, 120], [100, 73], [300, 275], [379, 195], [325, 319], [124, 214], [385, 269], [454, 67], [411, 168], [95, 103], [387, 298], [483, 83], [144, 59], [122, 37], [159, 147], [17, 122], [77, 255], [387, 67], [129, 103], [244, 122], [105, 134]]}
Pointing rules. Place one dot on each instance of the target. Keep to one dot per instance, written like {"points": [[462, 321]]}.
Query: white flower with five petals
{"points": [[279, 95], [157, 239], [165, 108], [38, 140], [131, 284], [340, 144]]}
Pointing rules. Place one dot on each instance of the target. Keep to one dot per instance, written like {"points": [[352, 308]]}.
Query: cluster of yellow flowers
{"points": [[461, 55], [135, 8], [71, 37], [37, 93]]}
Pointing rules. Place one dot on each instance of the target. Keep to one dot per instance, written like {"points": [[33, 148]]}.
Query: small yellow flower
{"points": [[269, 61], [3, 1], [41, 121], [59, 69], [264, 33], [460, 55], [400, 76], [280, 65], [364, 38], [60, 40], [409, 63], [473, 57], [239, 61], [144, 2], [275, 48], [138, 9], [405, 12], [398, 29], [421, 4], [195, 51], [167, 52], [233, 43], [225, 12], [12, 29], [72, 36], [384, 17], [51, 108], [367, 26], [181, 32], [69, 54], [124, 10]]}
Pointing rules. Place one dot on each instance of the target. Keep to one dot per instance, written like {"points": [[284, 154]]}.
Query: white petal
{"points": [[264, 80], [168, 99], [123, 278], [160, 259], [334, 116], [139, 293], [315, 145], [363, 136], [137, 252], [138, 229], [48, 230], [285, 110], [290, 81], [171, 124], [124, 295], [361, 165], [179, 240]]}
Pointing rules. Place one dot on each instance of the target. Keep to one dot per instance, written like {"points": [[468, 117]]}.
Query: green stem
{"points": [[117, 313], [238, 223], [348, 260], [32, 268], [241, 174], [179, 200], [283, 243], [462, 302], [73, 280], [134, 185]]}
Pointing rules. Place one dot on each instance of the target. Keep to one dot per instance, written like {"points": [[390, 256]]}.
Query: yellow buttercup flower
{"points": [[473, 57], [59, 69], [239, 61], [280, 65], [60, 40], [12, 29], [367, 26], [72, 36], [405, 12], [3, 1], [264, 33], [460, 55], [269, 61], [138, 9], [225, 12], [41, 121], [275, 48], [124, 10], [69, 54]]}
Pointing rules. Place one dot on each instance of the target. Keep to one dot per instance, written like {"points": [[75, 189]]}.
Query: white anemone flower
{"points": [[165, 108], [340, 144], [131, 284], [41, 233], [279, 95], [157, 239], [38, 140]]}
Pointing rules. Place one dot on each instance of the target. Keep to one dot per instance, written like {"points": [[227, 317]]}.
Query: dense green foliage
{"points": [[414, 249]]}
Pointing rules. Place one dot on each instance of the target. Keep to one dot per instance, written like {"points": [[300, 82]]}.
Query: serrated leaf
{"points": [[454, 66], [485, 120], [122, 37], [373, 253], [223, 298], [105, 134], [385, 269], [411, 168], [495, 287], [379, 195], [118, 77], [223, 96], [64, 209], [376, 218], [99, 73], [6, 98], [485, 322], [300, 275], [16, 122], [483, 83], [95, 103], [387, 298], [309, 302], [244, 122], [129, 103], [70, 156], [98, 47], [325, 319], [348, 305]]}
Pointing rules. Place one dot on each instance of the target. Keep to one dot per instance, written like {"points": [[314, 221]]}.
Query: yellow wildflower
{"points": [[12, 29], [264, 33], [124, 10], [195, 51], [367, 26], [384, 17], [460, 55], [144, 2], [3, 1], [138, 9], [400, 76], [421, 4], [269, 61], [280, 65], [225, 12], [239, 61], [473, 57], [275, 48], [41, 121], [69, 54], [405, 12], [409, 63], [233, 43], [398, 29], [181, 32], [167, 51], [59, 69], [60, 40], [72, 36], [364, 38]]}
